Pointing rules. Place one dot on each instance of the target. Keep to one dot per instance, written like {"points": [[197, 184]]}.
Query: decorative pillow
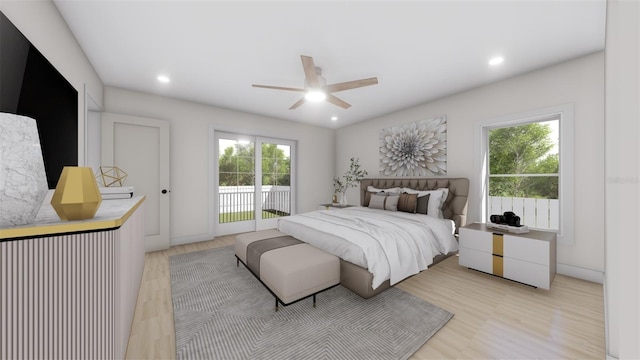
{"points": [[422, 204], [377, 201], [445, 197], [371, 190], [408, 202], [391, 202], [434, 201]]}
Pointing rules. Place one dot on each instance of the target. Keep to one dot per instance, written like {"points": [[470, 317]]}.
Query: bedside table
{"points": [[529, 258]]}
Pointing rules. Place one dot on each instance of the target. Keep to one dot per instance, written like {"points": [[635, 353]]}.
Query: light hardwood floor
{"points": [[494, 318]]}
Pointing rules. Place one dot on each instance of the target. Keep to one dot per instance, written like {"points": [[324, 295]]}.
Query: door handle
{"points": [[164, 191]]}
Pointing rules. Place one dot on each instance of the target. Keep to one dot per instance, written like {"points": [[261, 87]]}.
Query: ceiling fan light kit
{"points": [[316, 88], [315, 95]]}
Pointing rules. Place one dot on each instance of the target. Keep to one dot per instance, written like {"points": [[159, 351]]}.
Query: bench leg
{"points": [[276, 304], [314, 300], [237, 262]]}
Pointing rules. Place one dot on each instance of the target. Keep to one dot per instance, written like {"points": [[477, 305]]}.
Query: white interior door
{"points": [[140, 147]]}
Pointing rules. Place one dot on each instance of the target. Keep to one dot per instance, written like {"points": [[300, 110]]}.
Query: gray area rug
{"points": [[223, 312]]}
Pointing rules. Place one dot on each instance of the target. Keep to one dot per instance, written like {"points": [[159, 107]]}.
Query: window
{"points": [[523, 172], [525, 166]]}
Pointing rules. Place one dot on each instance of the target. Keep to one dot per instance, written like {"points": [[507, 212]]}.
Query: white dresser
{"points": [[68, 289], [527, 258]]}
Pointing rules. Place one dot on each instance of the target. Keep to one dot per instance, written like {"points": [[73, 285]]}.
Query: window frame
{"points": [[564, 114]]}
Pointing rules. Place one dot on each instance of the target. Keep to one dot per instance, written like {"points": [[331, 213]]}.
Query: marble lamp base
{"points": [[23, 181]]}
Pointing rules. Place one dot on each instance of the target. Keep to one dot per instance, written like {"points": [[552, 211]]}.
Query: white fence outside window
{"points": [[535, 213]]}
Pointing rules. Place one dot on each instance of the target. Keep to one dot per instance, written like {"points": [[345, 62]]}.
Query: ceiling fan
{"points": [[316, 88]]}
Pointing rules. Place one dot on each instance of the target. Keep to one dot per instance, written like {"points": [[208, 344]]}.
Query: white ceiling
{"points": [[420, 51]]}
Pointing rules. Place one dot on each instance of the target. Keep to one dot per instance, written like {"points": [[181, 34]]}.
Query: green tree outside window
{"points": [[523, 150]]}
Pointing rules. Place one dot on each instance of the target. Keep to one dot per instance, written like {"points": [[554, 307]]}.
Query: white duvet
{"points": [[391, 245]]}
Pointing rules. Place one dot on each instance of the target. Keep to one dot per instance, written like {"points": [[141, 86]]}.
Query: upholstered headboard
{"points": [[454, 208]]}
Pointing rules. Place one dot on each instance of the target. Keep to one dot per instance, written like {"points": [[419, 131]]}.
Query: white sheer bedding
{"points": [[391, 245]]}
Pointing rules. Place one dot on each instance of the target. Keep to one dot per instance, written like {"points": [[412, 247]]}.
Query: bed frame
{"points": [[359, 279]]}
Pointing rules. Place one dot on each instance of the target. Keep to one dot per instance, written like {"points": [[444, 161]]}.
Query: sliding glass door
{"points": [[254, 182]]}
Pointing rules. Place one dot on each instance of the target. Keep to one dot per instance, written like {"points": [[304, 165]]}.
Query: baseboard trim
{"points": [[191, 239], [609, 357], [580, 273]]}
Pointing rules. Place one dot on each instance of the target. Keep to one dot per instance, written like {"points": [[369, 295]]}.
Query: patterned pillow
{"points": [[408, 202], [391, 203], [371, 190], [377, 201]]}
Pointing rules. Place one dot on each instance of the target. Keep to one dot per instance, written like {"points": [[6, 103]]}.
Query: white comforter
{"points": [[391, 245]]}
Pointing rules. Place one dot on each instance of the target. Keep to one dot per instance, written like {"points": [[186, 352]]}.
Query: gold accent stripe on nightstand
{"points": [[498, 266], [498, 252], [498, 245]]}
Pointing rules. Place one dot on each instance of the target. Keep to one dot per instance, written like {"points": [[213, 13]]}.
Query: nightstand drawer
{"points": [[528, 273], [526, 249], [476, 240], [475, 259]]}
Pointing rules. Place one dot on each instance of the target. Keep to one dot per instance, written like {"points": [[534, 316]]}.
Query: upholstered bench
{"points": [[290, 269]]}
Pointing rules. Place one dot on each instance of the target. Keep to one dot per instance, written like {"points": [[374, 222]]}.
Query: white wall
{"points": [[622, 281], [190, 156], [580, 82], [42, 24]]}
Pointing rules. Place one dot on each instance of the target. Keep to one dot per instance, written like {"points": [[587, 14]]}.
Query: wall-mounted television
{"points": [[31, 86]]}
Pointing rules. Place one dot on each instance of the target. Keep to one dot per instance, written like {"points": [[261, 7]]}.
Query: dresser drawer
{"points": [[475, 259], [527, 272], [529, 250], [476, 240]]}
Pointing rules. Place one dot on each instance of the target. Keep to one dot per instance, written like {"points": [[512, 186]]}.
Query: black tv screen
{"points": [[31, 86]]}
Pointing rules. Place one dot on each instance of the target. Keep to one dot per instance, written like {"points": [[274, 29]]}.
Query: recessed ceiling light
{"points": [[496, 61], [334, 118], [163, 79], [315, 95]]}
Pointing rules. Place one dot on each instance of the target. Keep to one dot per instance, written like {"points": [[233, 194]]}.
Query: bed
{"points": [[404, 243]]}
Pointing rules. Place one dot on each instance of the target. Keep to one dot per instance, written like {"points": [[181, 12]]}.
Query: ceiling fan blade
{"points": [[298, 103], [277, 87], [351, 85], [310, 71], [335, 101]]}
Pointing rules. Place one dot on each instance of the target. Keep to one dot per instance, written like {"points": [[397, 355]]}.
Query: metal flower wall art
{"points": [[415, 149]]}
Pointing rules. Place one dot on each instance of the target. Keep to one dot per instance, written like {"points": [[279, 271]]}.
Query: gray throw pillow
{"points": [[423, 204]]}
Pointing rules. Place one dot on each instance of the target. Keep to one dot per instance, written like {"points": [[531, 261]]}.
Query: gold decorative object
{"points": [[111, 176], [77, 196]]}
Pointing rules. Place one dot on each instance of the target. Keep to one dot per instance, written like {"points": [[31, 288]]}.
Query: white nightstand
{"points": [[528, 258]]}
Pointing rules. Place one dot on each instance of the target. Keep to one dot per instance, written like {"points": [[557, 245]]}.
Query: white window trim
{"points": [[565, 187]]}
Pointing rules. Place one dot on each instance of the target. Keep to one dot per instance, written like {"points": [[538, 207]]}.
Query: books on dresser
{"points": [[116, 192]]}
